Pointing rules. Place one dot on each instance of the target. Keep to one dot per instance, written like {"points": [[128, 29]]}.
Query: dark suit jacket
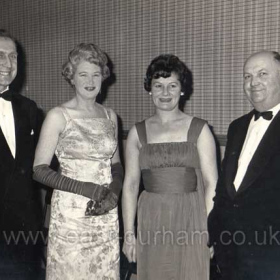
{"points": [[19, 198], [242, 223]]}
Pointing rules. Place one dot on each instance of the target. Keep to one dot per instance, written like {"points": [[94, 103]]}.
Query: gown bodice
{"points": [[85, 148], [162, 164]]}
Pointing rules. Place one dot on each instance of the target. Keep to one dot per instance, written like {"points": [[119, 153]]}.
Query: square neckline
{"points": [[69, 117], [172, 142], [75, 120], [195, 128]]}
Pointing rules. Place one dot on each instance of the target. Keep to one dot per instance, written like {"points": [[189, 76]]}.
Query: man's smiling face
{"points": [[8, 62]]}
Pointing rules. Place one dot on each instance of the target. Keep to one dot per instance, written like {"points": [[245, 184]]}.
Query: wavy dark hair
{"points": [[163, 66], [87, 52]]}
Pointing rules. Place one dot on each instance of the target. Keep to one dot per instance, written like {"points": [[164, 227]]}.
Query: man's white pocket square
{"points": [[32, 132]]}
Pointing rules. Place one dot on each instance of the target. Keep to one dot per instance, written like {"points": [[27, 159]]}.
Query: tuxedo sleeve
{"points": [[220, 188], [213, 218]]}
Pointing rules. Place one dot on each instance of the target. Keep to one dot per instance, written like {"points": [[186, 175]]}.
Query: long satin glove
{"points": [[45, 175], [110, 201]]}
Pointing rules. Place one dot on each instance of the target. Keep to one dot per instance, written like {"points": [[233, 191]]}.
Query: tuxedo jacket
{"points": [[244, 223], [19, 198]]}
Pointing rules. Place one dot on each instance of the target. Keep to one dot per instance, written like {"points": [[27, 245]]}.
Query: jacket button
{"points": [[235, 205], [22, 171]]}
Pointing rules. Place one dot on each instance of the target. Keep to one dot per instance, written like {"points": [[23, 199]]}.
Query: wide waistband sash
{"points": [[170, 180]]}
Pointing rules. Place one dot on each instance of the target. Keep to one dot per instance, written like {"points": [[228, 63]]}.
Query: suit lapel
{"points": [[267, 147], [234, 150], [4, 147]]}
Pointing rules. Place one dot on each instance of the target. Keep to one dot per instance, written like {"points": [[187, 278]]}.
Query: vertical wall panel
{"points": [[213, 37]]}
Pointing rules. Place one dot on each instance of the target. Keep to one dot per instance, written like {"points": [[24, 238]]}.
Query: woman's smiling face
{"points": [[166, 92], [87, 79]]}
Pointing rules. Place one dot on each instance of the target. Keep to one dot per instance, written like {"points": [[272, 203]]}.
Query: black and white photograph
{"points": [[139, 140]]}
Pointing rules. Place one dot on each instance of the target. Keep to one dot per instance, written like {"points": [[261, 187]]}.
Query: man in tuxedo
{"points": [[244, 225], [20, 208]]}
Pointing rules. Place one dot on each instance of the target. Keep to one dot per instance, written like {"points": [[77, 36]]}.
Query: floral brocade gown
{"points": [[83, 247], [172, 229]]}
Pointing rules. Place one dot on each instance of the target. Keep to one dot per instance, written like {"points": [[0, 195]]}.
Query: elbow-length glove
{"points": [[45, 175], [110, 201]]}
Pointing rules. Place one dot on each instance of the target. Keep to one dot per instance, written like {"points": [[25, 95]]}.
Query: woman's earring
{"points": [[150, 93], [182, 94]]}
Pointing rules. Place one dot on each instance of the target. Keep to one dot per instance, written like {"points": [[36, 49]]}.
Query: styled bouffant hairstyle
{"points": [[163, 66], [87, 52]]}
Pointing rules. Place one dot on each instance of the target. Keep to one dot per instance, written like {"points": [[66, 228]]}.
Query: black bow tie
{"points": [[7, 95], [266, 115]]}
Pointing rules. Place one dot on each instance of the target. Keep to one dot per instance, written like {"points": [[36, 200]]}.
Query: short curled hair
{"points": [[163, 66], [86, 52]]}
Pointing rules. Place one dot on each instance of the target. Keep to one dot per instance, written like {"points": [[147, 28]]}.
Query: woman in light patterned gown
{"points": [[176, 157], [84, 231]]}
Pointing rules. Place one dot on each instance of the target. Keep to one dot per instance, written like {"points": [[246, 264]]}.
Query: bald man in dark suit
{"points": [[244, 224], [20, 209]]}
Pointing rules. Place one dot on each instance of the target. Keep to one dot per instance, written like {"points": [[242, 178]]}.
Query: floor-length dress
{"points": [[83, 247], [172, 228]]}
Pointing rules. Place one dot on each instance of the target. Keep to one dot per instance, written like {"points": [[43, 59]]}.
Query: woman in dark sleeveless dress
{"points": [[176, 157]]}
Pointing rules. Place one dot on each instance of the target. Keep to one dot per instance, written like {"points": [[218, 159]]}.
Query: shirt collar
{"points": [[6, 89], [275, 110]]}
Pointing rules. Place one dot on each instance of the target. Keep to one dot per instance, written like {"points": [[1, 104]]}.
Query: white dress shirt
{"points": [[255, 133], [7, 123]]}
